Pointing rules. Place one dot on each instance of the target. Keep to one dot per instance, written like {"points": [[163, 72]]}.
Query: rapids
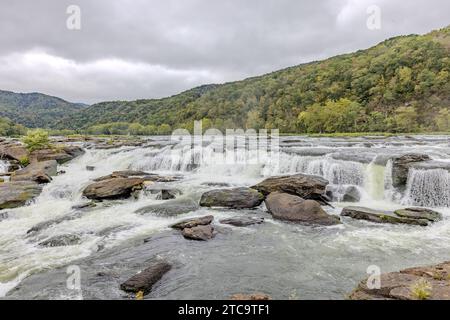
{"points": [[284, 260]]}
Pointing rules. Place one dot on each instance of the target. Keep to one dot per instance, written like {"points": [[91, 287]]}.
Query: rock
{"points": [[85, 205], [90, 168], [250, 297], [170, 208], [244, 221], [216, 184], [18, 193], [141, 174], [46, 224], [194, 222], [422, 283], [419, 213], [167, 194], [146, 279], [116, 188], [13, 152], [352, 194], [61, 241], [4, 216], [73, 151], [199, 233], [401, 166], [302, 185], [50, 154], [40, 172], [292, 208], [238, 198], [380, 216], [162, 193]]}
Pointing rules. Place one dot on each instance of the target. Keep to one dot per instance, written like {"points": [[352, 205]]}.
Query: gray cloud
{"points": [[129, 49]]}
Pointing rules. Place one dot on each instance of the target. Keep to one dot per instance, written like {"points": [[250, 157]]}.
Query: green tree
{"points": [[406, 119], [36, 140], [443, 120]]}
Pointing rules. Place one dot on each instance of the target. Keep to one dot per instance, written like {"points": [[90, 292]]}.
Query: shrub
{"points": [[36, 140], [24, 161], [421, 290]]}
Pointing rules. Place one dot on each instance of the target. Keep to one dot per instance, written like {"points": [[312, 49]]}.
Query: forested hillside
{"points": [[400, 85], [35, 109]]}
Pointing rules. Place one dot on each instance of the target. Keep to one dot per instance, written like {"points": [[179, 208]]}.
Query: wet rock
{"points": [[194, 222], [146, 279], [18, 193], [170, 208], [61, 241], [46, 224], [302, 185], [84, 205], [73, 151], [292, 208], [168, 194], [116, 188], [199, 233], [216, 184], [352, 194], [90, 168], [419, 213], [401, 166], [141, 174], [3, 216], [421, 283], [40, 172], [13, 151], [238, 198], [250, 297], [243, 221], [50, 154], [380, 216]]}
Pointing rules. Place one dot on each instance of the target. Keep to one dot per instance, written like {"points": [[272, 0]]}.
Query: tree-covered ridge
{"points": [[9, 128], [35, 109], [400, 85]]}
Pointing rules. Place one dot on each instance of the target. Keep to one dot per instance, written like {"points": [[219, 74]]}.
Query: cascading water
{"points": [[428, 188]]}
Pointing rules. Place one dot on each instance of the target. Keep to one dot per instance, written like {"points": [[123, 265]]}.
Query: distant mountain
{"points": [[36, 110], [399, 85]]}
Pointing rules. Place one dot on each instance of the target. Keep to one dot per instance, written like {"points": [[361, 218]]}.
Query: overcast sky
{"points": [[130, 49]]}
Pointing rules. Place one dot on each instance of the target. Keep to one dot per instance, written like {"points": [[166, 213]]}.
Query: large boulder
{"points": [[40, 172], [50, 154], [237, 198], [116, 188], [18, 193], [146, 279], [302, 185], [419, 213], [199, 233], [13, 151], [401, 166], [288, 207], [381, 216], [421, 283], [73, 151]]}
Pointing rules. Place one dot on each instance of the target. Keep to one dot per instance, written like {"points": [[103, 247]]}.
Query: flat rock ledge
{"points": [[145, 280], [411, 216], [420, 283], [237, 198]]}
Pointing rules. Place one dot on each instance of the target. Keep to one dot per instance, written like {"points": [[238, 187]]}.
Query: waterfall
{"points": [[428, 188], [4, 165], [338, 172], [375, 181]]}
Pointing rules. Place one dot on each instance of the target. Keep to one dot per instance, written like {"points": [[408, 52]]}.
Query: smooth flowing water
{"points": [[284, 260]]}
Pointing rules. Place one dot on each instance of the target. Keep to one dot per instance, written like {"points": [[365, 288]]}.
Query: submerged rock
{"points": [[190, 223], [199, 233], [146, 279], [18, 193], [401, 166], [238, 198], [116, 188], [243, 221], [84, 205], [421, 283], [61, 241], [380, 216], [141, 174], [292, 208], [302, 185]]}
